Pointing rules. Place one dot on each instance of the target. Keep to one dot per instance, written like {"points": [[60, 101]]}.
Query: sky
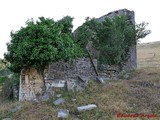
{"points": [[14, 13]]}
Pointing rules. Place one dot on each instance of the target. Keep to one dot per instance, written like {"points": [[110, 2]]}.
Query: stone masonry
{"points": [[64, 71], [32, 83], [131, 64]]}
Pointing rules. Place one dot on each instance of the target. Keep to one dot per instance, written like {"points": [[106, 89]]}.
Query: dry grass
{"points": [[148, 55], [140, 94]]}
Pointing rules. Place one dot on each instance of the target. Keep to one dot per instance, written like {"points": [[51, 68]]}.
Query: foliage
{"points": [[2, 64], [5, 72], [9, 83], [7, 89], [112, 38], [3, 79], [141, 31], [40, 43], [87, 32], [115, 38]]}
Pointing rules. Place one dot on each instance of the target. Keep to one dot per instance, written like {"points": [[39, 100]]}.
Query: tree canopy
{"points": [[112, 38], [41, 42]]}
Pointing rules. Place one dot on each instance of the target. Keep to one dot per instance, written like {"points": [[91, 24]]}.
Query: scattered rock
{"points": [[87, 107], [100, 79], [71, 85], [6, 119], [58, 83], [15, 109], [153, 73], [73, 100], [58, 95], [83, 79], [63, 113], [75, 85], [59, 101], [77, 119], [47, 94], [45, 97], [106, 78], [146, 84], [15, 92], [124, 75]]}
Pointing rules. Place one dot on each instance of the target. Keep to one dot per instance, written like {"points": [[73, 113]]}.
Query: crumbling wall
{"points": [[131, 63], [65, 71], [31, 85]]}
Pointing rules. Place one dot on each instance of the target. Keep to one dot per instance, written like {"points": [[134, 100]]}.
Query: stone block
{"points": [[63, 113], [100, 79], [45, 97], [59, 101], [87, 107], [7, 119], [58, 95], [75, 85], [15, 109], [58, 83]]}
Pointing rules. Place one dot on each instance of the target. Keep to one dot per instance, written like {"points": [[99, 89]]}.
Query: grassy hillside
{"points": [[148, 55], [140, 94]]}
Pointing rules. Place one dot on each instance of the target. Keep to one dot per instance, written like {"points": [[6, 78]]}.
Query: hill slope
{"points": [[140, 94]]}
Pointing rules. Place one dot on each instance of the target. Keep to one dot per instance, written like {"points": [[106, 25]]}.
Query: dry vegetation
{"points": [[149, 55], [140, 94]]}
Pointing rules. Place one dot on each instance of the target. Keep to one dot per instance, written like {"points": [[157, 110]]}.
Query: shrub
{"points": [[8, 86], [2, 80], [7, 89]]}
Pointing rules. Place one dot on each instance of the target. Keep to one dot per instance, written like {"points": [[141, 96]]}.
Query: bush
{"points": [[2, 80], [7, 89], [4, 72], [9, 86]]}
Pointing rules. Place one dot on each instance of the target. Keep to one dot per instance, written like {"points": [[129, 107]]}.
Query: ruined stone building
{"points": [[31, 83]]}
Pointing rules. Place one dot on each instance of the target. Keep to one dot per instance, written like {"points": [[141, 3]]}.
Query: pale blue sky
{"points": [[14, 13]]}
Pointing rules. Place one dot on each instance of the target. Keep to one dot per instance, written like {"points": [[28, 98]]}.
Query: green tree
{"points": [[112, 38], [41, 42]]}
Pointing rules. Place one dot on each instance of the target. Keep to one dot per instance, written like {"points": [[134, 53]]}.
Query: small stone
{"points": [[73, 100], [87, 107], [83, 79], [58, 95], [100, 79], [6, 119], [77, 119], [126, 76], [59, 101], [71, 85], [45, 97], [76, 85], [59, 83], [16, 108], [63, 113], [106, 78]]}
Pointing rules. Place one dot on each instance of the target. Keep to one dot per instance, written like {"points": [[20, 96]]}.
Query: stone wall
{"points": [[131, 63], [64, 71], [31, 85], [31, 82]]}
